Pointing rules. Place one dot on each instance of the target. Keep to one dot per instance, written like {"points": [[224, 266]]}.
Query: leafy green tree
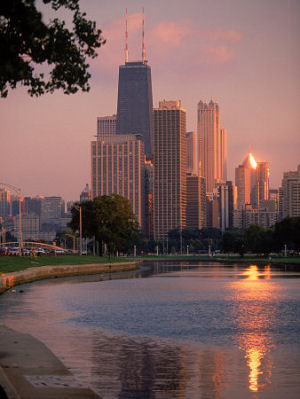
{"points": [[287, 232], [258, 239], [28, 42], [110, 220], [234, 241]]}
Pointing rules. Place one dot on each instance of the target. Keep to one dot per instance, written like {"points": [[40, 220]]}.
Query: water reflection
{"points": [[133, 368], [256, 307], [198, 331]]}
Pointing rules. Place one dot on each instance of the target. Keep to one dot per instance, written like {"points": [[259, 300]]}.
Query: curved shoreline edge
{"points": [[10, 280], [22, 355]]}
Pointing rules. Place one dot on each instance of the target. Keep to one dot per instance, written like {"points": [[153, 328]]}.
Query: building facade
{"points": [[223, 154], [195, 201], [52, 209], [135, 104], [209, 143], [191, 152], [242, 182], [290, 194], [118, 168], [85, 194], [169, 168], [227, 204], [106, 125], [5, 203]]}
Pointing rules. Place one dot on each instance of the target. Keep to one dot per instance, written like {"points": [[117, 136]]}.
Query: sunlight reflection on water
{"points": [[193, 331]]}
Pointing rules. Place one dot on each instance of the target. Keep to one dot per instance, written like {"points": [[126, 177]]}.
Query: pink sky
{"points": [[245, 55]]}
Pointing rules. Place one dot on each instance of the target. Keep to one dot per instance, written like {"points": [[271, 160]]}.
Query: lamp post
{"points": [[20, 223]]}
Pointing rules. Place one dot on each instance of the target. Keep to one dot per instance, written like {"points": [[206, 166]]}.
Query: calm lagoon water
{"points": [[171, 330]]}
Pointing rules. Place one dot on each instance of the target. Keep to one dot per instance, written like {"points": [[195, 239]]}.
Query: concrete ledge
{"points": [[24, 360], [10, 280]]}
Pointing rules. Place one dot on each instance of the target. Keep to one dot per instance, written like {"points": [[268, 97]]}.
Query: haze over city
{"points": [[243, 55]]}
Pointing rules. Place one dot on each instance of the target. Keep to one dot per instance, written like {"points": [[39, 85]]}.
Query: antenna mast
{"points": [[143, 39], [126, 40]]}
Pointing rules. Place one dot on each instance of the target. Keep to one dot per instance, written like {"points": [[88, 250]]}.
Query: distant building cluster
{"points": [[176, 179], [42, 217]]}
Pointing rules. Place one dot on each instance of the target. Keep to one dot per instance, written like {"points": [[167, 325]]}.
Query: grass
{"points": [[10, 264], [16, 263], [232, 258]]}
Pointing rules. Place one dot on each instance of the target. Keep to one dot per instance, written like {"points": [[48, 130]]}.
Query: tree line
{"points": [[110, 221], [262, 241]]}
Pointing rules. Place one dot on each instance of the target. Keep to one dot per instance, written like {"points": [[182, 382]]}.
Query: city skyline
{"points": [[247, 62]]}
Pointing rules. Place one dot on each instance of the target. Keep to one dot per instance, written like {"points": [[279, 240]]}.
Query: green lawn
{"points": [[15, 263], [232, 258]]}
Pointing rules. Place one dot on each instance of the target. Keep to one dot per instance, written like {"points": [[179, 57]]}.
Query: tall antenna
{"points": [[126, 40], [143, 39]]}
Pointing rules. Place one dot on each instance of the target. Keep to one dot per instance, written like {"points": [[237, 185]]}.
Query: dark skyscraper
{"points": [[135, 104]]}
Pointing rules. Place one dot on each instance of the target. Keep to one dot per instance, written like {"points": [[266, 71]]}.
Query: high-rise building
{"points": [[149, 196], [118, 168], [5, 203], [169, 168], [195, 201], [274, 196], [85, 194], [290, 194], [262, 174], [135, 104], [106, 125], [209, 139], [52, 209], [191, 152], [223, 154], [252, 181], [227, 204], [242, 182]]}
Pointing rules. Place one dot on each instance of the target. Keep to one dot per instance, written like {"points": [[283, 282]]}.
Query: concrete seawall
{"points": [[28, 369], [10, 280]]}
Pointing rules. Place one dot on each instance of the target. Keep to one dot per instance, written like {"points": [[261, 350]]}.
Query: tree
{"points": [[28, 43], [258, 239], [110, 220], [234, 241], [287, 232]]}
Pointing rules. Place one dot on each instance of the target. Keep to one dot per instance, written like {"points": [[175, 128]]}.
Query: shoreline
{"points": [[23, 358], [10, 280], [183, 258]]}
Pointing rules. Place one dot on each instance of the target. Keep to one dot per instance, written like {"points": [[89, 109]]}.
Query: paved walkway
{"points": [[29, 370]]}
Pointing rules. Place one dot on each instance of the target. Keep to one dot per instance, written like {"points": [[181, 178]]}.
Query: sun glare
{"points": [[252, 161]]}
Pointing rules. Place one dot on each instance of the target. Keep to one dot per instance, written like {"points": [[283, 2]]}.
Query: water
{"points": [[171, 331]]}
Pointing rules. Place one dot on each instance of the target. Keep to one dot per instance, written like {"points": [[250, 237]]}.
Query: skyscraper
{"points": [[209, 138], [169, 168], [195, 201], [262, 173], [191, 152], [223, 154], [106, 125], [227, 203], [135, 104], [5, 202], [290, 194], [118, 168]]}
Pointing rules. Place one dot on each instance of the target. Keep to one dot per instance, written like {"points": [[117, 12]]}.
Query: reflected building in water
{"points": [[145, 368]]}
